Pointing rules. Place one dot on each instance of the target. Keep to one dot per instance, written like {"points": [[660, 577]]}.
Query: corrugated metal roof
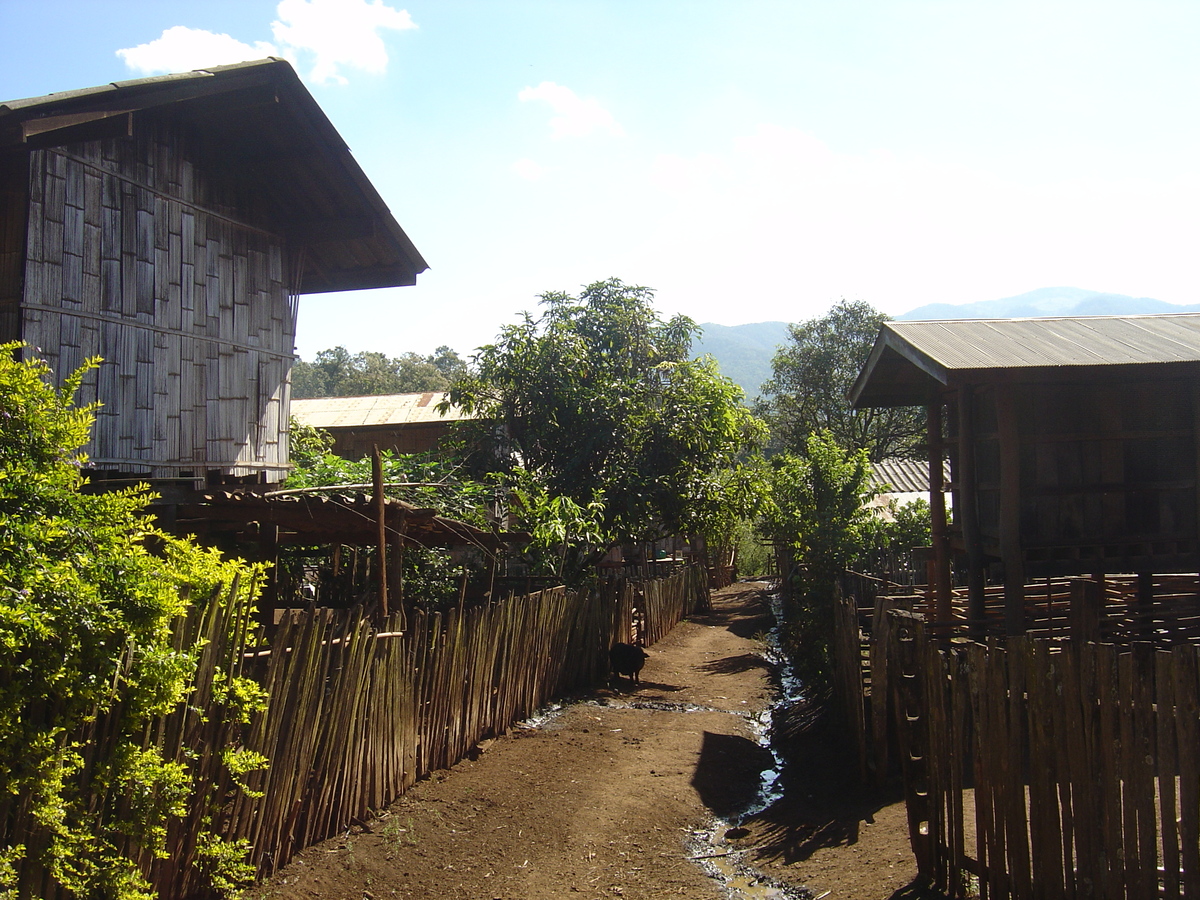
{"points": [[905, 476], [1092, 341], [910, 358], [383, 409]]}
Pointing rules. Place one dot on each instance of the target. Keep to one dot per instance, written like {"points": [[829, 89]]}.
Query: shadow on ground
{"points": [[746, 616], [731, 665], [728, 772]]}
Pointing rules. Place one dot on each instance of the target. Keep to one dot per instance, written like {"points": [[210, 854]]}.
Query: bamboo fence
{"points": [[358, 711], [1080, 763], [1164, 611]]}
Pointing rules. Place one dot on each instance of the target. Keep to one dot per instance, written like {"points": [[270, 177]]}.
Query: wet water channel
{"points": [[712, 847]]}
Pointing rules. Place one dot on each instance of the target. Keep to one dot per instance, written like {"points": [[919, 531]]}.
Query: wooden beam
{"points": [[939, 526], [381, 519], [966, 508], [1010, 510], [71, 128]]}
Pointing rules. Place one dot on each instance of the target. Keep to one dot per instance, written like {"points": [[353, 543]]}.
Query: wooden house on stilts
{"points": [[168, 225], [1074, 446]]}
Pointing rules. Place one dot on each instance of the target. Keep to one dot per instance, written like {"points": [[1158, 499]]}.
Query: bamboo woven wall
{"points": [[13, 208], [139, 253]]}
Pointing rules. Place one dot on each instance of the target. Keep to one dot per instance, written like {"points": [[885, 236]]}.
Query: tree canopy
{"points": [[815, 371], [598, 401], [339, 373]]}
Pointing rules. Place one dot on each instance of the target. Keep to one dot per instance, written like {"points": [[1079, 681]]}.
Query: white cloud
{"points": [[339, 33], [681, 175], [574, 116], [333, 34], [528, 169], [182, 49]]}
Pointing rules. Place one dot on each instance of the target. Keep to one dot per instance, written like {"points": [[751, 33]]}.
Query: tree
{"points": [[338, 373], [817, 511], [598, 402], [814, 372]]}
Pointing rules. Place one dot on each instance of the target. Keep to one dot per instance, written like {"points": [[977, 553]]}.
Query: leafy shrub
{"points": [[90, 592]]}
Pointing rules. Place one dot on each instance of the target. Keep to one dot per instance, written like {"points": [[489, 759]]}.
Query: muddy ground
{"points": [[633, 791]]}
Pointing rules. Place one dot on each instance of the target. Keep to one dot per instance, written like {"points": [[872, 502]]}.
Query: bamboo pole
{"points": [[381, 521]]}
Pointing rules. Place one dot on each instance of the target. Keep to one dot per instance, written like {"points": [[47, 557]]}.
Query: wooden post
{"points": [[396, 579], [1087, 600], [937, 509], [966, 510], [1010, 510], [907, 654], [1145, 605], [268, 548], [381, 520]]}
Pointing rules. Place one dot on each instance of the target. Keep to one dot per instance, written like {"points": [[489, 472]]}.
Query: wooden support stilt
{"points": [[380, 515]]}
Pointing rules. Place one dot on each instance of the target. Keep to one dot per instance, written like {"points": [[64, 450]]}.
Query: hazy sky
{"points": [[750, 160]]}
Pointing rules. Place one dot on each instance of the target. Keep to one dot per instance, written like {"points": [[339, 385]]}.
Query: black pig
{"points": [[626, 659]]}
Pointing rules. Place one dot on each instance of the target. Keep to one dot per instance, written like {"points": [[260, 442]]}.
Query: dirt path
{"points": [[608, 796]]}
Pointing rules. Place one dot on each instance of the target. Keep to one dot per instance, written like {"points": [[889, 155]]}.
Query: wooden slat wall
{"points": [[139, 255], [1170, 617]]}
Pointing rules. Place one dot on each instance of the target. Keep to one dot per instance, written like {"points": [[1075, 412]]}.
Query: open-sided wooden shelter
{"points": [[1074, 443], [168, 225]]}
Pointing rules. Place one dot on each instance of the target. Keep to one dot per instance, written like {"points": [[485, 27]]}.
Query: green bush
{"points": [[89, 593], [817, 512]]}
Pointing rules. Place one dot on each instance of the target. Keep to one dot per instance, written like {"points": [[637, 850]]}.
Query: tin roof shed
{"points": [[402, 423], [1074, 443]]}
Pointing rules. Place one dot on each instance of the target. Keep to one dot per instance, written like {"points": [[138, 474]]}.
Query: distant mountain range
{"points": [[1052, 301], [744, 352]]}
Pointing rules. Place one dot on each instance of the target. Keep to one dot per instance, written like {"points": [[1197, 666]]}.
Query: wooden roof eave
{"points": [[879, 384]]}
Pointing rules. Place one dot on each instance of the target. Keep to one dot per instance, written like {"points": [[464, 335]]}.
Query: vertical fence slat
{"points": [[1108, 786], [1168, 768], [1016, 810], [1187, 705]]}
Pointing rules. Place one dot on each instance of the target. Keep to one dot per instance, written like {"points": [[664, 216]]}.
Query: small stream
{"points": [[711, 847]]}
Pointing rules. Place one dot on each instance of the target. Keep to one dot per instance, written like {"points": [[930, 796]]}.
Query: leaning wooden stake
{"points": [[381, 518]]}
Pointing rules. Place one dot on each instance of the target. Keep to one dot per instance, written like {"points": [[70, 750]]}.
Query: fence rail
{"points": [[357, 712]]}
